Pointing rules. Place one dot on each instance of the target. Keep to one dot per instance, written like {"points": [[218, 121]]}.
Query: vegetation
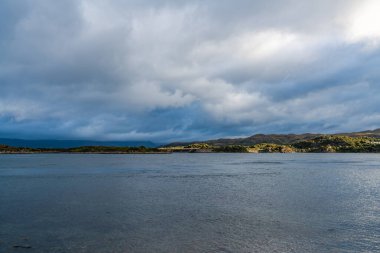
{"points": [[320, 144], [272, 148], [104, 149], [336, 143], [231, 149], [199, 146], [85, 149], [280, 139], [9, 149]]}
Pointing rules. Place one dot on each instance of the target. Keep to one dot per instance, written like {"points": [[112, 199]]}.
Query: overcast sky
{"points": [[165, 70]]}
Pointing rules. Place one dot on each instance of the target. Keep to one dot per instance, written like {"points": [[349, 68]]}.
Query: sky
{"points": [[175, 70]]}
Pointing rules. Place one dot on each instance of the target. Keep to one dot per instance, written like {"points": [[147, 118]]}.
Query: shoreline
{"points": [[89, 153], [168, 153], [322, 144]]}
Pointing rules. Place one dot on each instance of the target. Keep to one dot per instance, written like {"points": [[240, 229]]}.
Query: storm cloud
{"points": [[169, 70]]}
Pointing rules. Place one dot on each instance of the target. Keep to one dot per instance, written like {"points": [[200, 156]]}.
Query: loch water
{"points": [[103, 203]]}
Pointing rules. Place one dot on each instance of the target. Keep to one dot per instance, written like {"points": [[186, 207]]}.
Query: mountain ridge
{"points": [[281, 139], [72, 143]]}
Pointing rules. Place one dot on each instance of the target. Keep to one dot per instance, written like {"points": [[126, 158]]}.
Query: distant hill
{"points": [[339, 143], [320, 144], [369, 133], [282, 139], [72, 143]]}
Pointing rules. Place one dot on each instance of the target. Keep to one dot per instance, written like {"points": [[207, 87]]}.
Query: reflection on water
{"points": [[190, 203]]}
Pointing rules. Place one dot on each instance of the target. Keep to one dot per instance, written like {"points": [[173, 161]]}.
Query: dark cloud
{"points": [[179, 70]]}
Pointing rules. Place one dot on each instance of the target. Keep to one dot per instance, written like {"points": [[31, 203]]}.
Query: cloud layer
{"points": [[179, 70]]}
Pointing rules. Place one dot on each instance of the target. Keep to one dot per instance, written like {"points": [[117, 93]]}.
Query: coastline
{"points": [[175, 152], [321, 144]]}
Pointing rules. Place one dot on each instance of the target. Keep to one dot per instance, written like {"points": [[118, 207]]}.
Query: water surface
{"points": [[190, 203]]}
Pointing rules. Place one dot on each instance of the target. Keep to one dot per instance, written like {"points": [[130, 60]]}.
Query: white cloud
{"points": [[363, 23], [163, 69]]}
